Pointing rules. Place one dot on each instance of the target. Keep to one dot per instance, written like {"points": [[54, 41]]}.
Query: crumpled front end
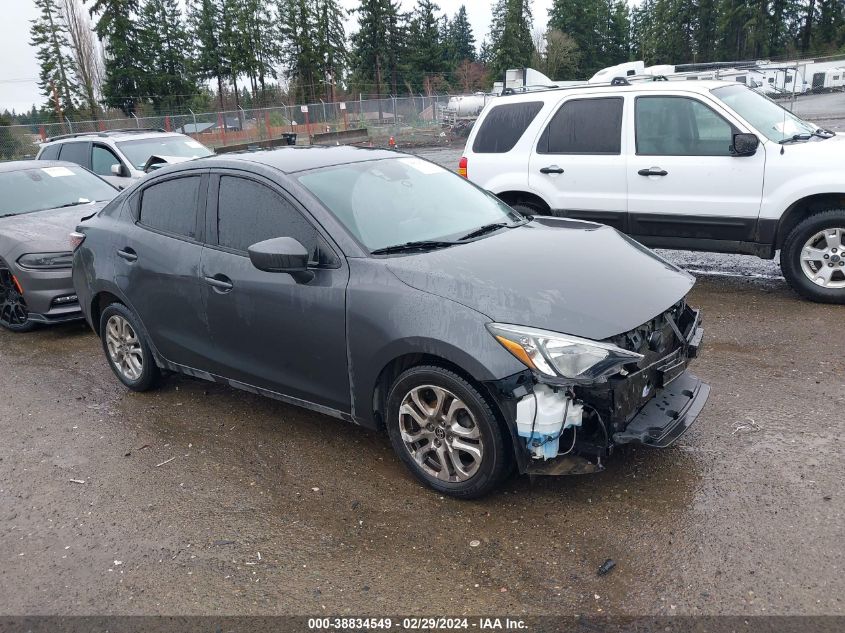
{"points": [[570, 428]]}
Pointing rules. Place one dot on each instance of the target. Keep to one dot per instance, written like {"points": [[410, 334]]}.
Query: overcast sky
{"points": [[19, 69]]}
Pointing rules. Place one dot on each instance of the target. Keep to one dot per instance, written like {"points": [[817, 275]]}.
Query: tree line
{"points": [[157, 57]]}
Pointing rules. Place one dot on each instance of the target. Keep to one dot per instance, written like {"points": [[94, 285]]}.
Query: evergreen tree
{"points": [[49, 33], [331, 45], [426, 50], [461, 41], [298, 31], [164, 43], [371, 45], [511, 45], [258, 45], [210, 58], [117, 29]]}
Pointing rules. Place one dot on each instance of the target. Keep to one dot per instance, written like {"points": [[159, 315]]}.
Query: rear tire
{"points": [[812, 257], [446, 432], [127, 349], [526, 208]]}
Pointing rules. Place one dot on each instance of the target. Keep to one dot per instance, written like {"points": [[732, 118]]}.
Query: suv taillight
{"points": [[462, 166], [76, 240]]}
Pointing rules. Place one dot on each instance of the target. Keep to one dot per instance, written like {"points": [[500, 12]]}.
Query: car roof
{"points": [[117, 135], [294, 159], [699, 86], [19, 165]]}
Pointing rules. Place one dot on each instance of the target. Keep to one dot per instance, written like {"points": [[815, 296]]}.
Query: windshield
{"points": [[394, 201], [777, 123], [139, 151], [37, 189]]}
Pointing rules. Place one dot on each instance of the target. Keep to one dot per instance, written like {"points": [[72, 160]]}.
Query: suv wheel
{"points": [[527, 209], [127, 349], [813, 257], [445, 432], [14, 315]]}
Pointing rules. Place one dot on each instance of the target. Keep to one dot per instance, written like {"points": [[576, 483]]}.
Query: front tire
{"points": [[445, 432], [813, 259], [14, 315], [127, 348]]}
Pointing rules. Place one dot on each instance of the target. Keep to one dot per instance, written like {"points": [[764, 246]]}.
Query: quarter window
{"points": [[249, 212], [679, 126], [102, 159], [584, 126], [503, 126], [171, 206]]}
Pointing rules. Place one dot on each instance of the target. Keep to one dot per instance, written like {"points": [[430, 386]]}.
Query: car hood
{"points": [[571, 277], [49, 227]]}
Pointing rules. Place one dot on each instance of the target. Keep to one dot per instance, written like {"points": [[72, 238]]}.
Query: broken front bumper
{"points": [[668, 415]]}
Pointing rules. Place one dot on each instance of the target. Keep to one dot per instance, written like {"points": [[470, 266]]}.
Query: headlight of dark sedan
{"points": [[561, 356], [46, 261]]}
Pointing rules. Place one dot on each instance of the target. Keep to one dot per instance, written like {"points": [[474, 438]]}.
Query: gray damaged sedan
{"points": [[40, 204], [384, 290]]}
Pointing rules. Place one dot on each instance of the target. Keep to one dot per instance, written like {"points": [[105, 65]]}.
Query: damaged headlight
{"points": [[40, 261], [562, 356]]}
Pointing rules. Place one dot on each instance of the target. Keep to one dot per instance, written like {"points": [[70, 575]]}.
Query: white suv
{"points": [[122, 156], [698, 165]]}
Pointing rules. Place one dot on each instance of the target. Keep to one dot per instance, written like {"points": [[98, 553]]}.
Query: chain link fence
{"points": [[408, 120]]}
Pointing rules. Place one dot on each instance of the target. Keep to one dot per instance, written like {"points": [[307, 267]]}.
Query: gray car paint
{"points": [[46, 231], [431, 304]]}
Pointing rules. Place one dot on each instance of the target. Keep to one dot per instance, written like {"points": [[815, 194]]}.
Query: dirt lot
{"points": [[199, 499]]}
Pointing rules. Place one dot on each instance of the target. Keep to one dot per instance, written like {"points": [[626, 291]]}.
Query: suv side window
{"points": [[102, 158], [249, 212], [51, 152], [503, 126], [584, 126], [680, 126], [171, 206], [75, 153]]}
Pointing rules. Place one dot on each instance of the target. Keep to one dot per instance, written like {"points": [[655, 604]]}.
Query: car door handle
{"points": [[653, 171], [220, 283], [128, 254], [551, 169]]}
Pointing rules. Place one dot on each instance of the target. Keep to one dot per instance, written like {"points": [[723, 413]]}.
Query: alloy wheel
{"points": [[823, 259], [124, 347], [440, 433], [13, 311]]}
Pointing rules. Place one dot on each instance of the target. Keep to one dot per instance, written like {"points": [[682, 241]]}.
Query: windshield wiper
{"points": [[72, 204], [422, 245], [807, 136], [488, 228]]}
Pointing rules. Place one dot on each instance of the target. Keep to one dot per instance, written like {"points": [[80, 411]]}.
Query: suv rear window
{"points": [[503, 126], [51, 152], [584, 126]]}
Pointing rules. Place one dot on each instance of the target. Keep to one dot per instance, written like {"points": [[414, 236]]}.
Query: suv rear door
{"points": [[577, 165], [685, 187]]}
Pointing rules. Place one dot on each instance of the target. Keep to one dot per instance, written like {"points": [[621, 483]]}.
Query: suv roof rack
{"points": [[105, 133]]}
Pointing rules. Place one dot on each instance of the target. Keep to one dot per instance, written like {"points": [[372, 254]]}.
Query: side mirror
{"points": [[117, 170], [279, 255], [745, 144]]}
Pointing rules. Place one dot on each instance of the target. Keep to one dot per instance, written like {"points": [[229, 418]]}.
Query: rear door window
{"points": [[76, 153], [503, 126], [249, 212], [51, 152], [584, 126], [171, 206]]}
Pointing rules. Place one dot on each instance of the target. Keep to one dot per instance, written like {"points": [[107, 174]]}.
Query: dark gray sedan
{"points": [[382, 289], [40, 205]]}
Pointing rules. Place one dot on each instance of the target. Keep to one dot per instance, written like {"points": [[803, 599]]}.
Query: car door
{"points": [[272, 330], [577, 165], [685, 187], [102, 161], [157, 265]]}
